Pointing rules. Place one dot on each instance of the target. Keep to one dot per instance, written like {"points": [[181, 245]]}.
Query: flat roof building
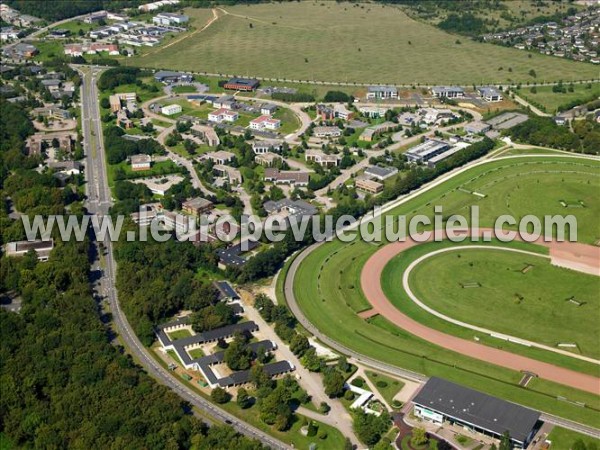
{"points": [[426, 150], [447, 91], [442, 401], [242, 84], [490, 94], [371, 186], [381, 173], [382, 92]]}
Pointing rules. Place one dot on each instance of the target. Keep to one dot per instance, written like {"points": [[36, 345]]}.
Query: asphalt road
{"points": [[99, 201]]}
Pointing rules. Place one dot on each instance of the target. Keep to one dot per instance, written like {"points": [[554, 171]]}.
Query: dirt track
{"points": [[584, 255]]}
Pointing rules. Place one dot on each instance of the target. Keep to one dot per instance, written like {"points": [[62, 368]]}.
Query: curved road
{"points": [[99, 201]]}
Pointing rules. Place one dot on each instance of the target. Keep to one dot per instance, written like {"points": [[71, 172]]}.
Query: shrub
{"points": [[381, 384], [349, 395], [358, 382], [323, 435]]}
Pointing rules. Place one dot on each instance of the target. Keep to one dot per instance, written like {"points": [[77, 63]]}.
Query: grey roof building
{"points": [[443, 401], [381, 173]]}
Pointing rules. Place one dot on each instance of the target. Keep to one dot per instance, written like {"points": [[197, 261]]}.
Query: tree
{"points": [[505, 443], [299, 344], [104, 103], [238, 355], [369, 427], [348, 443], [220, 395], [419, 437], [342, 364], [333, 381], [243, 398]]}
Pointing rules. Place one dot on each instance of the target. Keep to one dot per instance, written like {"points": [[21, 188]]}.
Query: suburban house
{"points": [[241, 84], [447, 91], [267, 159], [267, 145], [265, 123], [382, 92], [91, 49], [219, 157], [141, 162], [322, 159], [322, 132], [196, 206], [170, 19], [277, 176], [367, 185], [490, 94], [170, 110], [223, 115], [380, 173], [268, 109], [207, 134]]}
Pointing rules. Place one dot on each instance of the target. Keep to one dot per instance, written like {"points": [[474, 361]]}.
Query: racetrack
{"points": [[374, 293]]}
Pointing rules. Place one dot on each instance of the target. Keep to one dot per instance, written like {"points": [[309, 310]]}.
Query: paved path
{"points": [[506, 337], [533, 109]]}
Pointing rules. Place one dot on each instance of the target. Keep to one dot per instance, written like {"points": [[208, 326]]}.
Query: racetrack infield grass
{"points": [[391, 283], [508, 292], [314, 41], [380, 339]]}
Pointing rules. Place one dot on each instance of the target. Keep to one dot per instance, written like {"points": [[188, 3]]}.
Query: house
{"points": [[225, 101], [233, 175], [447, 91], [219, 157], [322, 159], [265, 123], [477, 127], [21, 50], [141, 162], [20, 248], [490, 94], [441, 401], [367, 185], [267, 159], [66, 167], [380, 173], [207, 134], [223, 115], [268, 109], [196, 206], [170, 110], [277, 176], [241, 84], [267, 145], [168, 77], [322, 132], [170, 19], [382, 92]]}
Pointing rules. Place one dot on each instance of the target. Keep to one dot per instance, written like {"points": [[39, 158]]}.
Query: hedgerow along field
{"points": [[507, 292], [344, 42]]}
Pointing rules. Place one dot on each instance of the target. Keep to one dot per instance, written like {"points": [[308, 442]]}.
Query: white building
{"points": [[169, 110], [265, 123], [223, 115]]}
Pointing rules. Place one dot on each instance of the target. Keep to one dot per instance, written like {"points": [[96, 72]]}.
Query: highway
{"points": [[98, 203]]}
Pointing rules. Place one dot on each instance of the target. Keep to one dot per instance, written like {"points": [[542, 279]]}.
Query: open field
{"points": [[388, 387], [563, 438], [331, 305], [553, 100], [512, 293], [315, 41]]}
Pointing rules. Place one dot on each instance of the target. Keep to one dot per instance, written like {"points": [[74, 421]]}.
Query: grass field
{"points": [[563, 438], [330, 305], [315, 41], [552, 101], [529, 303], [388, 387], [179, 334]]}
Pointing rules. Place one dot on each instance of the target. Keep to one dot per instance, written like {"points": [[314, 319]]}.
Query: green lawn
{"points": [[179, 334], [196, 353], [506, 290], [290, 41], [552, 101], [330, 305], [158, 168], [184, 89], [48, 49], [563, 439], [75, 25], [388, 387]]}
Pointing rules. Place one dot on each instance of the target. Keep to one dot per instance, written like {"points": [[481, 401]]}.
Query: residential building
{"points": [[197, 206], [490, 94], [170, 110], [322, 159], [322, 132], [382, 92], [223, 115], [268, 109], [380, 173], [20, 248], [242, 84], [219, 157], [225, 101], [277, 176], [141, 162], [267, 145], [265, 123], [67, 167], [447, 91], [367, 185], [440, 401], [207, 134], [267, 159], [20, 51], [233, 176]]}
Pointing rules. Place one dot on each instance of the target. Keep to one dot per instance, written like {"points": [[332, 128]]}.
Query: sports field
{"points": [[512, 293], [327, 288], [329, 41]]}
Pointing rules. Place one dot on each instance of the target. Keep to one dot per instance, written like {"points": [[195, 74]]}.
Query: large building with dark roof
{"points": [[442, 401], [242, 84]]}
